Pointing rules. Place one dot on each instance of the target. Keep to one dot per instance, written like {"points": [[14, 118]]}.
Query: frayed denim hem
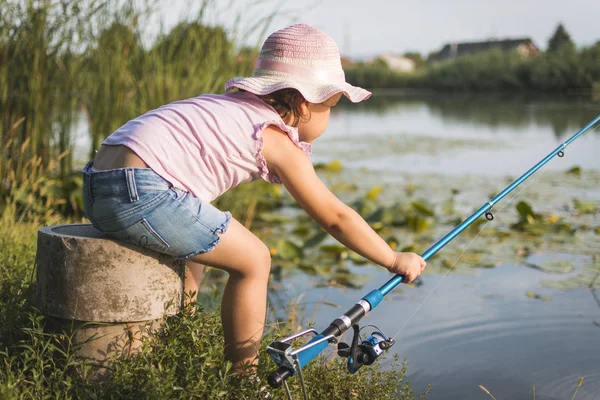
{"points": [[221, 229]]}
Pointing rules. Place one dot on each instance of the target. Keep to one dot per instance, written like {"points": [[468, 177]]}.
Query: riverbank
{"points": [[186, 361]]}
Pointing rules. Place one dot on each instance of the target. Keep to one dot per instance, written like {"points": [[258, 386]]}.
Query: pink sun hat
{"points": [[300, 57]]}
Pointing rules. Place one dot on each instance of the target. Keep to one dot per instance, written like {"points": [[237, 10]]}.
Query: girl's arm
{"points": [[298, 175]]}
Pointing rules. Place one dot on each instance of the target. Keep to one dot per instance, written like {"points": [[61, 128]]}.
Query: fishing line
{"points": [[290, 361], [593, 290], [537, 178]]}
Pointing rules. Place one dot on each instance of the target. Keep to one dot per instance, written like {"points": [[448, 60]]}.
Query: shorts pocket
{"points": [[141, 234], [177, 194]]}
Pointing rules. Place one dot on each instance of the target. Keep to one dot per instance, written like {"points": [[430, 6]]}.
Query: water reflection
{"points": [[459, 134], [564, 114]]}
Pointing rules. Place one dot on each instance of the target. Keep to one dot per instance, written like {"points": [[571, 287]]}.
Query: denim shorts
{"points": [[138, 207]]}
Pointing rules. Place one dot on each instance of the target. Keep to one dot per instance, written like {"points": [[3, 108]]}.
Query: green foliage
{"points": [[184, 361], [126, 80], [333, 166], [576, 171], [563, 69], [39, 78], [36, 196], [590, 57], [379, 63], [537, 224], [416, 57], [586, 207], [381, 77], [560, 70], [65, 59], [596, 92], [17, 252], [526, 213], [483, 71], [254, 204], [287, 250], [560, 39]]}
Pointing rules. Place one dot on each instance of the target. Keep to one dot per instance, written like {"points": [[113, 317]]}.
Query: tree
{"points": [[560, 39], [416, 57]]}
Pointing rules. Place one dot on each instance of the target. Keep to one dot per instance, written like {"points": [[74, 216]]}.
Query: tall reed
{"points": [[63, 59]]}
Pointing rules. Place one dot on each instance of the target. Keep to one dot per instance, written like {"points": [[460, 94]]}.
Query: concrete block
{"points": [[126, 292]]}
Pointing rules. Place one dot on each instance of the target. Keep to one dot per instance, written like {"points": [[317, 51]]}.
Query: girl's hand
{"points": [[409, 265]]}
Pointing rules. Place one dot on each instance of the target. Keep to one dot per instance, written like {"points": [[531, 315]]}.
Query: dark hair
{"points": [[287, 103]]}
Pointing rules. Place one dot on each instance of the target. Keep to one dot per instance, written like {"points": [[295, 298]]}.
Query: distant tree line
{"points": [[561, 68]]}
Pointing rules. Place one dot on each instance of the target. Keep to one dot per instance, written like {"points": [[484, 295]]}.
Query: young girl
{"points": [[153, 179]]}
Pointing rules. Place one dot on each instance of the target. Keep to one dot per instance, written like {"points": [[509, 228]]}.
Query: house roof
{"points": [[461, 49]]}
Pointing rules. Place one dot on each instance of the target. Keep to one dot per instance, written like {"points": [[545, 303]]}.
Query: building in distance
{"points": [[523, 46]]}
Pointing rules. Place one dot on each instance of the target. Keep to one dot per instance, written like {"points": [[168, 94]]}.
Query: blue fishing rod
{"points": [[290, 361]]}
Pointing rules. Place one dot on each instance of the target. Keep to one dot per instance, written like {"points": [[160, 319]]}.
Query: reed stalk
{"points": [[60, 59]]}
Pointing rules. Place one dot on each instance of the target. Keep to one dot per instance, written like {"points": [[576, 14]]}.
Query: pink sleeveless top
{"points": [[207, 144]]}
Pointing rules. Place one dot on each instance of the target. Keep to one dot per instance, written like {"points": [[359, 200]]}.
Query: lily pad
{"points": [[556, 266], [316, 239], [565, 284], [532, 295], [373, 194], [376, 216], [313, 269], [302, 230], [526, 212], [333, 166], [574, 171], [417, 223], [357, 258], [287, 250], [585, 207], [272, 218], [423, 208], [349, 280], [342, 186], [333, 248]]}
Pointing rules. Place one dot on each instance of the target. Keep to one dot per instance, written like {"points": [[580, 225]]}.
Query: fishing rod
{"points": [[290, 361]]}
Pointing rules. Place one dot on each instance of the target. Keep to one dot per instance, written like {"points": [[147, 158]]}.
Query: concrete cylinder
{"points": [[112, 293]]}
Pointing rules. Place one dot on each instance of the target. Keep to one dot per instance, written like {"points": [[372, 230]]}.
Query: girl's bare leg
{"points": [[243, 307], [193, 277]]}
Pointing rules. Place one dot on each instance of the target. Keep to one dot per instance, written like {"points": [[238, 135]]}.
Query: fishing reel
{"points": [[367, 351]]}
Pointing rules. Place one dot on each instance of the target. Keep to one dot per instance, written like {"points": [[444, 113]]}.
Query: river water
{"points": [[507, 328]]}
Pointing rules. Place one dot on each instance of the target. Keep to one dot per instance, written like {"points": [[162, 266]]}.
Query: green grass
{"points": [[186, 360]]}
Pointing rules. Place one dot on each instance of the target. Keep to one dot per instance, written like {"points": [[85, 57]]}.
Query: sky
{"points": [[365, 28]]}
